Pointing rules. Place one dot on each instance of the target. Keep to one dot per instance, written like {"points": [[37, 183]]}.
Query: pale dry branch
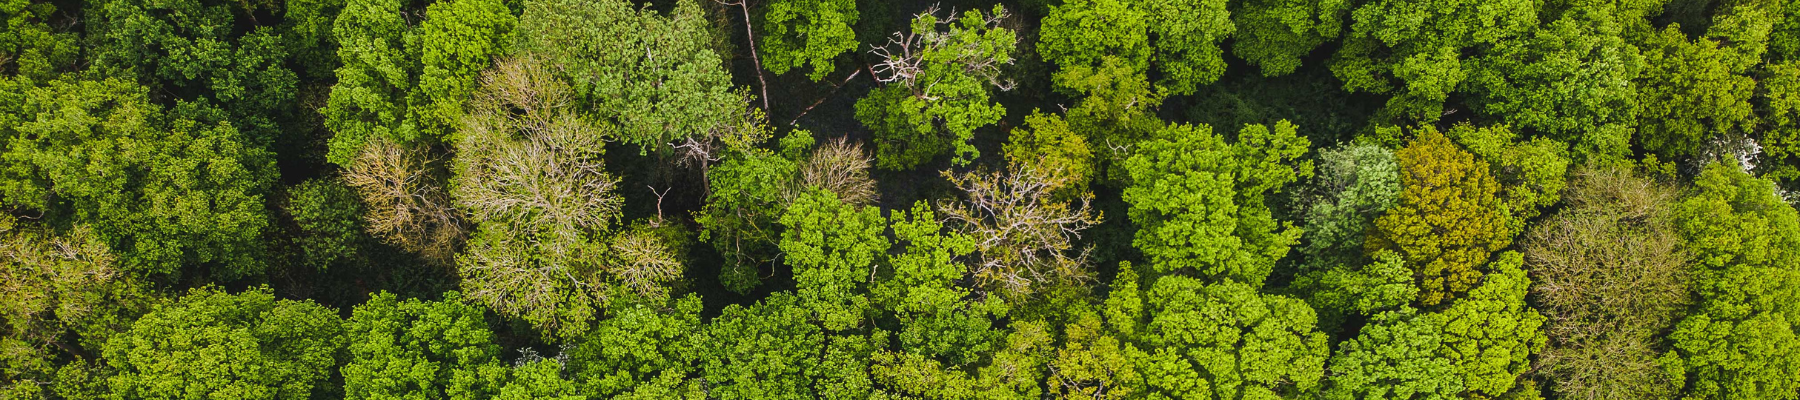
{"points": [[840, 166], [1024, 236], [406, 207]]}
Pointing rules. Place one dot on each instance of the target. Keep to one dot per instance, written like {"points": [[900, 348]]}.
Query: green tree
{"points": [[1739, 339], [642, 351], [776, 349], [409, 84], [1047, 145], [1398, 355], [194, 50], [1226, 341], [1690, 92], [368, 103], [1780, 130], [1572, 80], [1414, 50], [935, 92], [832, 248], [329, 217], [750, 187], [1491, 334], [1275, 34], [1199, 202], [420, 350], [162, 190], [211, 344], [457, 40], [30, 47], [539, 378], [799, 32], [1448, 220], [647, 78], [1355, 184], [1082, 33]]}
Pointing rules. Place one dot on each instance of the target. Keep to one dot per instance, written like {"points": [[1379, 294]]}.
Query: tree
{"points": [[1187, 44], [530, 177], [935, 91], [62, 296], [30, 47], [1414, 49], [1023, 235], [650, 79], [456, 41], [1047, 145], [1275, 34], [329, 217], [1448, 220], [1355, 184], [750, 188], [405, 205], [1532, 173], [642, 351], [1690, 92], [1224, 340], [1611, 276], [212, 344], [406, 84], [194, 51], [1780, 129], [1083, 33], [1571, 80], [1491, 334], [798, 32], [539, 378], [420, 350], [1398, 355], [163, 190], [941, 321], [832, 247], [775, 349], [368, 103], [1199, 202], [1738, 341]]}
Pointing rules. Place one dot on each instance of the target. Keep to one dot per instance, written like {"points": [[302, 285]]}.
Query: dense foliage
{"points": [[855, 199]]}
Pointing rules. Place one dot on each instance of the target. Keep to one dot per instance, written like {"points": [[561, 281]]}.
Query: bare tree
{"points": [[406, 207], [1024, 235], [1610, 273], [841, 167]]}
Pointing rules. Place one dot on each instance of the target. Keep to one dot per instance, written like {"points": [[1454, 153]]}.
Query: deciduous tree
{"points": [[936, 79], [1199, 202]]}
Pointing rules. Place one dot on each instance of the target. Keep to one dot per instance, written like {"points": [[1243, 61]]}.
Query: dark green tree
{"points": [[935, 94]]}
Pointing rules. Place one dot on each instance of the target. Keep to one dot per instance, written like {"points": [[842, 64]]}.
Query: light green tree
{"points": [[1200, 203], [162, 190], [211, 344], [416, 349], [1739, 339]]}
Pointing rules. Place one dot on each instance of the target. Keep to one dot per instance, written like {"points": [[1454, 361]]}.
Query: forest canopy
{"points": [[906, 199]]}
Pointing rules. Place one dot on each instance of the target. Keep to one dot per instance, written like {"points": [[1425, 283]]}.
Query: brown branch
{"points": [[834, 90]]}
